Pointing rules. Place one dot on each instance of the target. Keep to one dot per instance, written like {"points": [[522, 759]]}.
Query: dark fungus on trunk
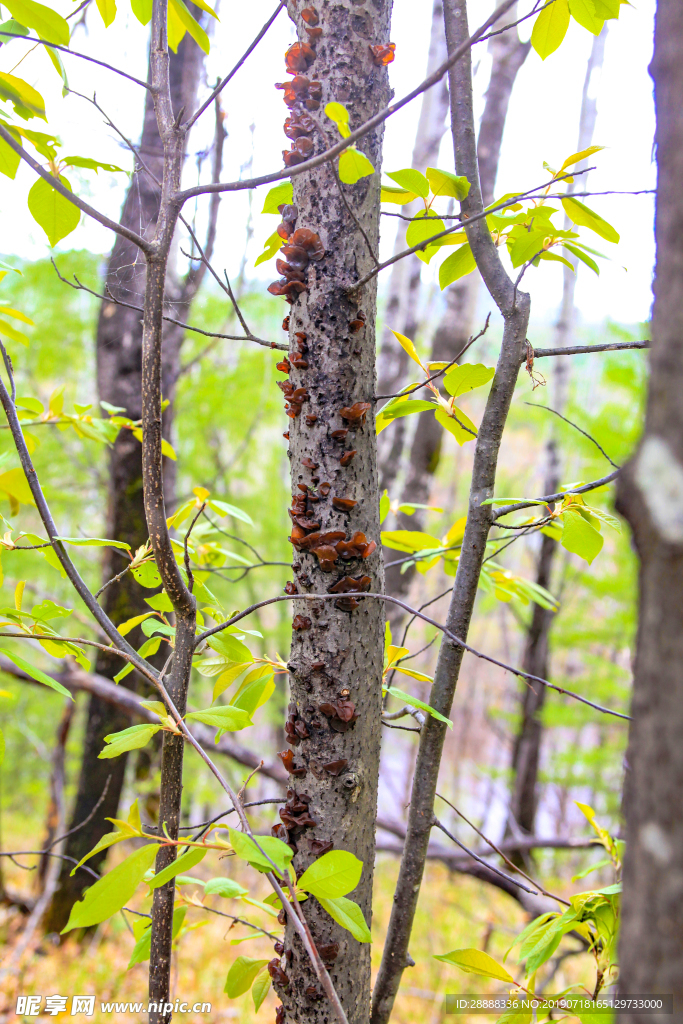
{"points": [[335, 662]]}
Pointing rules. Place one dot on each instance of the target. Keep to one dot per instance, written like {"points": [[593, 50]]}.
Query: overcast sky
{"points": [[542, 125]]}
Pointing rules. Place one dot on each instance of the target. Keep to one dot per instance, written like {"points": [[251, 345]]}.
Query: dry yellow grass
{"points": [[454, 912]]}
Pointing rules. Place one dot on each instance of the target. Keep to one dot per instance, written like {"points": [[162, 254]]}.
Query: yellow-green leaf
{"points": [[582, 155], [47, 23], [142, 9], [260, 988], [354, 165], [408, 346], [580, 214], [583, 11], [277, 196], [409, 540], [107, 9], [347, 914], [445, 183], [26, 100], [272, 245], [334, 874], [241, 975], [467, 377], [411, 180], [14, 483], [474, 961], [183, 863], [399, 196], [459, 264], [462, 428], [550, 28], [107, 896], [53, 212]]}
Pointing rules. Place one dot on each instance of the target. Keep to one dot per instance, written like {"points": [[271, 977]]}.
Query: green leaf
{"points": [[105, 842], [579, 536], [36, 674], [272, 245], [11, 332], [409, 540], [93, 542], [527, 245], [47, 23], [178, 8], [245, 847], [27, 102], [384, 506], [420, 229], [160, 602], [241, 975], [11, 28], [150, 626], [224, 887], [399, 196], [230, 647], [387, 415], [554, 257], [584, 217], [473, 961], [183, 863], [143, 946], [583, 11], [467, 377], [457, 426], [607, 9], [260, 905], [347, 914], [223, 508], [584, 257], [395, 692], [445, 183], [354, 165], [459, 264], [260, 988], [14, 482], [107, 9], [591, 869], [277, 196], [9, 160], [411, 180], [255, 693], [128, 739], [550, 28], [142, 9], [226, 718], [108, 895], [334, 874], [147, 575], [92, 165], [55, 214], [338, 113]]}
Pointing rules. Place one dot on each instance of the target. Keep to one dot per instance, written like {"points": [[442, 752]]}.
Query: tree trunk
{"points": [[403, 293], [336, 653], [526, 753], [119, 363], [508, 54], [650, 495]]}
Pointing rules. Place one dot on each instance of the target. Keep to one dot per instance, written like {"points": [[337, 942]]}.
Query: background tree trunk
{"points": [[650, 495], [119, 367], [508, 53], [527, 746], [336, 652], [403, 293]]}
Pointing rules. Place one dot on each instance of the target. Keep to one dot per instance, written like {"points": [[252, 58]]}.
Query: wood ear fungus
{"points": [[355, 413], [383, 54], [347, 456]]}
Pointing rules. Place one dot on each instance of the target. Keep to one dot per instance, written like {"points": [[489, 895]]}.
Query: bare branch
{"points": [[83, 56], [548, 498], [534, 405], [577, 350]]}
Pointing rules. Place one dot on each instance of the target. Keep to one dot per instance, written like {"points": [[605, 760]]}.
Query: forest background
{"points": [[227, 435]]}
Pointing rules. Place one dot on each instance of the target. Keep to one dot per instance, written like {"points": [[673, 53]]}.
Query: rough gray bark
{"points": [[119, 368], [650, 495], [336, 652], [514, 306], [526, 753], [508, 53], [403, 292]]}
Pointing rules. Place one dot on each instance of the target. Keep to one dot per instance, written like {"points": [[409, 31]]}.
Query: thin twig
{"points": [[83, 56], [585, 433], [548, 498]]}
